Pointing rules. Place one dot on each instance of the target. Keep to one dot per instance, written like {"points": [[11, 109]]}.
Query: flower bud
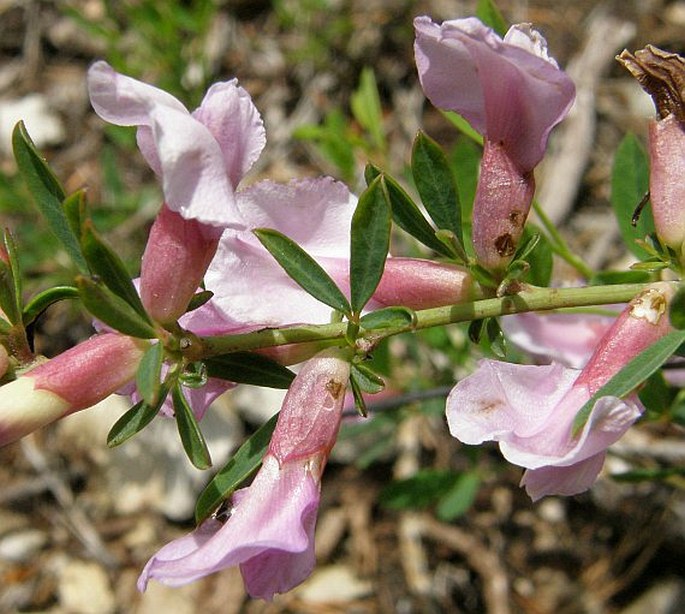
{"points": [[74, 380]]}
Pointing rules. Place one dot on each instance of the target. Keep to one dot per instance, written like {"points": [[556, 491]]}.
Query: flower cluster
{"points": [[207, 273]]}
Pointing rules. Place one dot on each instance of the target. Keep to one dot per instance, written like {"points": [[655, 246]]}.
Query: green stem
{"points": [[532, 299], [559, 244]]}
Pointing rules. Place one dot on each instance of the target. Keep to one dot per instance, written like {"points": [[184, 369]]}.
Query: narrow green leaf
{"points": [[199, 299], [459, 498], [148, 376], [249, 368], [9, 301], [303, 269], [359, 402], [465, 159], [112, 310], [496, 338], [11, 250], [603, 278], [74, 207], [540, 257], [453, 245], [46, 191], [366, 107], [633, 374], [41, 301], [104, 262], [370, 241], [488, 12], [406, 214], [463, 126], [366, 379], [244, 462], [389, 317], [629, 184], [676, 309], [191, 436], [135, 420], [417, 492], [435, 184]]}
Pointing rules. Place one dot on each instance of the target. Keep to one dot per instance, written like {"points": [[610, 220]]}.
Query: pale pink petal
{"points": [[124, 101], [230, 115], [193, 175], [565, 337], [567, 481], [509, 91], [315, 213], [501, 399], [252, 288], [610, 418], [181, 150], [273, 514], [278, 571]]}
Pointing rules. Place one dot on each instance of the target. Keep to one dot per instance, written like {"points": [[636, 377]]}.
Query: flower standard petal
{"points": [[230, 115], [510, 91]]}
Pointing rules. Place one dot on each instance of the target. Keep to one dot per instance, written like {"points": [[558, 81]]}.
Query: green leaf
{"points": [[135, 420], [495, 337], [46, 191], [112, 310], [632, 375], [490, 15], [148, 375], [676, 309], [249, 368], [465, 160], [629, 184], [417, 492], [199, 299], [366, 108], [389, 317], [463, 126], [244, 462], [41, 301], [191, 436], [406, 214], [10, 281], [604, 278], [366, 379], [435, 184], [104, 262], [458, 499], [359, 402], [303, 269], [539, 256], [370, 241], [74, 207]]}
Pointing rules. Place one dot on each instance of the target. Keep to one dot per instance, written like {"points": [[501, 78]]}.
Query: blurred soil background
{"points": [[78, 521]]}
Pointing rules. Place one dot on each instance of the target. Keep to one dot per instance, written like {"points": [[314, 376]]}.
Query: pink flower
{"points": [[530, 410], [270, 530], [512, 93], [76, 379], [200, 158]]}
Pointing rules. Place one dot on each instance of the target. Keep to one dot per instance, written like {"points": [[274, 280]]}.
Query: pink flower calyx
{"points": [[662, 76]]}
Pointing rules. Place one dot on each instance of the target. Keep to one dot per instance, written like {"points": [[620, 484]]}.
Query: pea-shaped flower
{"points": [[513, 94]]}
